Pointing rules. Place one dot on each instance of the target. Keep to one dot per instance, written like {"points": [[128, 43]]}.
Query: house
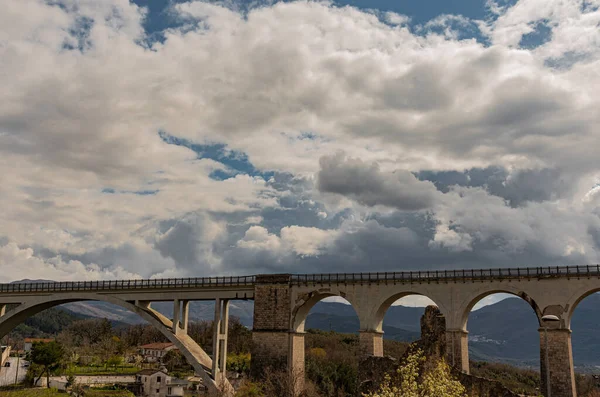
{"points": [[154, 352], [157, 383], [28, 343]]}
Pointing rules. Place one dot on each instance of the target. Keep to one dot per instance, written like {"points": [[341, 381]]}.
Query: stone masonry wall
{"points": [[562, 378], [371, 343], [271, 328], [272, 306]]}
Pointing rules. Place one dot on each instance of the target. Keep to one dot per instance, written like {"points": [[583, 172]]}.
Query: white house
{"points": [[153, 352], [157, 383]]}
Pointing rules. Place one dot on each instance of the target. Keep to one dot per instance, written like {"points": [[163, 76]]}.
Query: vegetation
{"points": [[46, 357], [107, 393], [101, 370], [23, 392], [521, 381], [48, 323], [409, 382], [239, 363], [97, 347]]}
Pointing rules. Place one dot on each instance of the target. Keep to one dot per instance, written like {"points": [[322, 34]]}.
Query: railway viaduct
{"points": [[282, 303]]}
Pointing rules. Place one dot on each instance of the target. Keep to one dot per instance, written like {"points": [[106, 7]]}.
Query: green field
{"points": [[53, 393], [100, 370], [31, 393]]}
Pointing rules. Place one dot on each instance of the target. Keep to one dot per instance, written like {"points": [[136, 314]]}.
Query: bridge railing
{"points": [[429, 276], [462, 275], [157, 283]]}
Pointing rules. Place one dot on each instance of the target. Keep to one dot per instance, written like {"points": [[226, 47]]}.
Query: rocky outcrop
{"points": [[372, 371]]}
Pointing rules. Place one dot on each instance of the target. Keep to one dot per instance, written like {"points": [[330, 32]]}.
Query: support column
{"points": [[560, 363], [457, 349], [296, 362], [2, 310], [274, 346], [220, 326], [185, 312], [176, 313], [371, 343]]}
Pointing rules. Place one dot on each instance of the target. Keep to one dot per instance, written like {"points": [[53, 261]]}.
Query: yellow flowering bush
{"points": [[435, 383]]}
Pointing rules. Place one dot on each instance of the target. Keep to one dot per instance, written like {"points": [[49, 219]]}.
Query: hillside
{"points": [[49, 322], [199, 310], [506, 331]]}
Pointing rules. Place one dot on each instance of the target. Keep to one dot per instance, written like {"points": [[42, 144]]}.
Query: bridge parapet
{"points": [[134, 284], [449, 276], [408, 277]]}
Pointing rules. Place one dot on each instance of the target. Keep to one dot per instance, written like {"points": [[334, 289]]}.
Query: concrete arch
{"points": [[186, 345], [574, 302], [472, 301], [300, 312], [376, 323]]}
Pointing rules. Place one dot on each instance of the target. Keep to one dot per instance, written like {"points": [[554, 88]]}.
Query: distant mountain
{"points": [[506, 331], [199, 310], [47, 323]]}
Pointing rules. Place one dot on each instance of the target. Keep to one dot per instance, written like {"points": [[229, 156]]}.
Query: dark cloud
{"points": [[370, 186], [517, 187], [190, 242]]}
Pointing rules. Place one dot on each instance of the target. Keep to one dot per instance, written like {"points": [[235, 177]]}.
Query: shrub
{"points": [[239, 363], [250, 389], [437, 382]]}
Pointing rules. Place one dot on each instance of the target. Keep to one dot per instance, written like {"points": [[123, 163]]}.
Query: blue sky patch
{"points": [[541, 34], [160, 16], [109, 190], [235, 161]]}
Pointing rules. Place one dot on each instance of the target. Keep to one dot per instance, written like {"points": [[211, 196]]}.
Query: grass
{"points": [[54, 393], [107, 393], [89, 370], [31, 393]]}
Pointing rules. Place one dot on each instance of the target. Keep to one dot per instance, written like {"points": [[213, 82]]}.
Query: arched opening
{"points": [[331, 343], [503, 339], [182, 342], [584, 322], [96, 337], [399, 318]]}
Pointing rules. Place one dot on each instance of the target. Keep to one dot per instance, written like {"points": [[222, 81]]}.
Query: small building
{"points": [[157, 383], [28, 343], [154, 352]]}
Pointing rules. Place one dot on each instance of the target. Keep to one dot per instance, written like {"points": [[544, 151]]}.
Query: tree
{"points": [[437, 382], [70, 381], [173, 359], [48, 356], [114, 361]]}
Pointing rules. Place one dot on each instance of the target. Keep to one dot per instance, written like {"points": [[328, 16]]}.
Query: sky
{"points": [[161, 138]]}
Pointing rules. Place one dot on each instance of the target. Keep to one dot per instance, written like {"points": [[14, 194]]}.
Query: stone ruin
{"points": [[372, 370]]}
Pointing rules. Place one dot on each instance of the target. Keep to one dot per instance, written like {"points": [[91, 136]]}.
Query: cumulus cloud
{"points": [[19, 263], [368, 185], [292, 240], [457, 152]]}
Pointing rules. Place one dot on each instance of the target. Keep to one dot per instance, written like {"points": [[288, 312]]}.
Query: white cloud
{"points": [[293, 239], [287, 84], [18, 263]]}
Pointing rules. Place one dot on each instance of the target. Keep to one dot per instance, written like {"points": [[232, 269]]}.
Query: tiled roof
{"points": [[35, 340], [157, 346]]}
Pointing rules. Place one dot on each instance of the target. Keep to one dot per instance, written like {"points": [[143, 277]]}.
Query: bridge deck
{"points": [[409, 277]]}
